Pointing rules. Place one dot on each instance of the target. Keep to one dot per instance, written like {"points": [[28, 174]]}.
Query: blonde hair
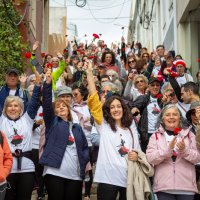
{"points": [[11, 99], [140, 76]]}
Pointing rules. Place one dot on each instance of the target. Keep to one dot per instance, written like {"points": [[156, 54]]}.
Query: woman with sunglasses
{"points": [[118, 137], [130, 63], [135, 87]]}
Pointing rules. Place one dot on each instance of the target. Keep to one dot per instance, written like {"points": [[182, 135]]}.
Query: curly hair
{"points": [[127, 118], [104, 56]]}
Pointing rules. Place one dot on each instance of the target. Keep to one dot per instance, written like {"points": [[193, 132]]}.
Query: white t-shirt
{"points": [[183, 108], [184, 79], [19, 136], [153, 111], [111, 165], [84, 110], [69, 168], [37, 131], [155, 71], [12, 92]]}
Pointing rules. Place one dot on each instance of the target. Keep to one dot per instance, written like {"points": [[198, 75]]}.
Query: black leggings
{"points": [[110, 192], [62, 188], [167, 196], [21, 186]]}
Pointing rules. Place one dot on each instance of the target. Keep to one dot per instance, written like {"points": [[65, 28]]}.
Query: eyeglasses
{"points": [[131, 61], [140, 81]]}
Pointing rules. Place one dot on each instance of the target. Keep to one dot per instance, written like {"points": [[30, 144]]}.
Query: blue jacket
{"points": [[4, 93], [57, 130]]}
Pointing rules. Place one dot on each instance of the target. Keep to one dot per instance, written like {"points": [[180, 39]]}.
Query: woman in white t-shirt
{"points": [[118, 137], [17, 127]]}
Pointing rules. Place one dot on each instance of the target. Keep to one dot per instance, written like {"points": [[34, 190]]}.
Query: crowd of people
{"points": [[121, 117]]}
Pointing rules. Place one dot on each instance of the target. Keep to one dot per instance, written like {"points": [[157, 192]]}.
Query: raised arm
{"points": [[94, 102], [56, 74], [48, 111], [35, 98]]}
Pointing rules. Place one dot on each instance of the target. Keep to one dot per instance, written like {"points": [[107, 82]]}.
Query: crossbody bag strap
{"points": [[131, 132]]}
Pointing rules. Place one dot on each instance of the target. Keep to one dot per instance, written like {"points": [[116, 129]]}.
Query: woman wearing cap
{"points": [[66, 153], [118, 137], [17, 127], [182, 76], [173, 152]]}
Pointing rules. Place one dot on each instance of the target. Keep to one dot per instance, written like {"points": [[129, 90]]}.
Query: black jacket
{"points": [[141, 103]]}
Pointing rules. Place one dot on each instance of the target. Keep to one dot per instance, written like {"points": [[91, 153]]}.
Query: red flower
{"points": [[95, 36], [71, 139], [124, 149], [174, 154], [90, 57], [49, 65], [169, 70], [28, 55], [198, 59], [160, 78], [43, 54], [176, 131], [174, 75], [40, 114], [158, 96]]}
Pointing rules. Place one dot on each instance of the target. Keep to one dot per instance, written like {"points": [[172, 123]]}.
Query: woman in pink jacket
{"points": [[173, 152]]}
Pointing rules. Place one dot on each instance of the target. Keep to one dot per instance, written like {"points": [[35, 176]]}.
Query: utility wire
{"points": [[97, 19]]}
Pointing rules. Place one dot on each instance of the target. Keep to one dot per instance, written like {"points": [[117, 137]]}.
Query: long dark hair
{"points": [[126, 120]]}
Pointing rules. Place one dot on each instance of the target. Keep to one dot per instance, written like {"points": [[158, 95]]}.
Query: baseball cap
{"points": [[12, 70], [63, 90], [154, 79]]}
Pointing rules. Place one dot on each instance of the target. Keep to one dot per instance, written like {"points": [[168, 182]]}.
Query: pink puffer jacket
{"points": [[169, 175]]}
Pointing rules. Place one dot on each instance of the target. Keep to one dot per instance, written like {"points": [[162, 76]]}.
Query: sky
{"points": [[106, 17]]}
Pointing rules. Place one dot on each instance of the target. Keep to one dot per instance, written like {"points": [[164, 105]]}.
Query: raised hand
{"points": [[35, 46], [39, 77], [23, 78], [48, 76]]}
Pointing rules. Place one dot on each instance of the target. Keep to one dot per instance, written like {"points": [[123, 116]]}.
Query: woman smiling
{"points": [[118, 138], [173, 152]]}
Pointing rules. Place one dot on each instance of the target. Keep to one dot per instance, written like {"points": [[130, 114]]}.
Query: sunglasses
{"points": [[131, 61], [140, 81], [105, 91], [75, 94], [172, 94]]}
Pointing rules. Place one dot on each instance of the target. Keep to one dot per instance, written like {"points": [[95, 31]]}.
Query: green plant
{"points": [[11, 45]]}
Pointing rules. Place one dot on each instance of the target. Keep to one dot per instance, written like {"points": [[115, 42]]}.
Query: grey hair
{"points": [[107, 83], [11, 99], [182, 123]]}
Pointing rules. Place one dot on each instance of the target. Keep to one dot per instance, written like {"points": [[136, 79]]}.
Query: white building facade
{"points": [[174, 23]]}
